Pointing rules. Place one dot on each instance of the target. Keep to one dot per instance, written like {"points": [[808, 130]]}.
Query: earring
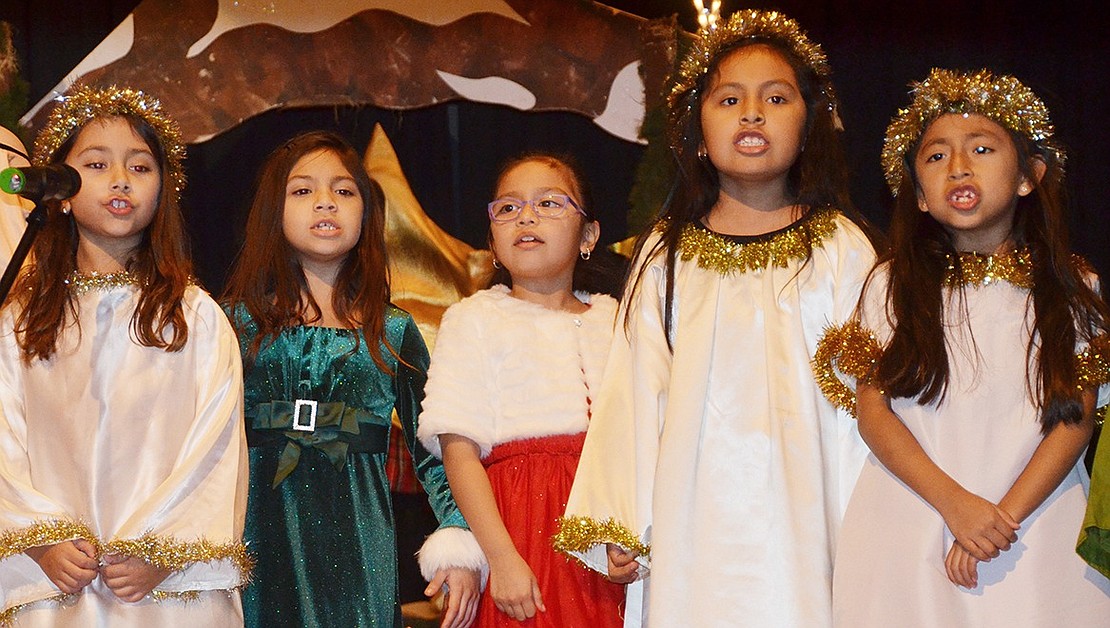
{"points": [[585, 254], [1023, 188], [702, 153], [66, 207], [496, 264]]}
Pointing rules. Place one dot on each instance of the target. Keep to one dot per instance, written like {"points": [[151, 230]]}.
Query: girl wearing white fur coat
{"points": [[508, 399]]}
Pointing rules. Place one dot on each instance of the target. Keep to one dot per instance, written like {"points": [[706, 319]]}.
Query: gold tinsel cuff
{"points": [[170, 554], [184, 596], [850, 349], [7, 616], [720, 254], [1003, 99], [41, 533], [578, 534], [1092, 364]]}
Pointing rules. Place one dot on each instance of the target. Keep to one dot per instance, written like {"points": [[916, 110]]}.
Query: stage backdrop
{"points": [[225, 69]]}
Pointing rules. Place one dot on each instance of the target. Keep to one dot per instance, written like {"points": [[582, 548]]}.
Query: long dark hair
{"points": [[817, 179], [1065, 308], [269, 281], [160, 263], [603, 271]]}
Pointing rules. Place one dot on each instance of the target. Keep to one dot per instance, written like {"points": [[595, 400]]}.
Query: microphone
{"points": [[41, 183]]}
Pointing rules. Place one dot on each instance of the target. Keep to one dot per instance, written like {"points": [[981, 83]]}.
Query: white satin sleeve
{"points": [[192, 523], [28, 518], [611, 500], [140, 451], [855, 258]]}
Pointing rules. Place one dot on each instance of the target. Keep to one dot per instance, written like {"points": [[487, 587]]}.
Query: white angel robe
{"points": [[890, 560], [138, 450], [723, 456]]}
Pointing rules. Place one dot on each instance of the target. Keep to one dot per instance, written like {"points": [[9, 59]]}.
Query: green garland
{"points": [[656, 171], [654, 174], [14, 91]]}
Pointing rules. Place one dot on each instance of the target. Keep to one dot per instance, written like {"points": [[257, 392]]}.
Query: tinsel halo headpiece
{"points": [[1003, 99], [741, 25], [84, 103]]}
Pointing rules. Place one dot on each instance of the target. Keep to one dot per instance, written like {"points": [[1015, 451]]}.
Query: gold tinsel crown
{"points": [[83, 103], [1003, 99], [741, 25]]}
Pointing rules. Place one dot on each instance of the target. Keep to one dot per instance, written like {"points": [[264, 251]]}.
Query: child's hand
{"points": [[982, 528], [463, 591], [962, 567], [514, 588], [70, 565], [130, 578], [622, 564]]}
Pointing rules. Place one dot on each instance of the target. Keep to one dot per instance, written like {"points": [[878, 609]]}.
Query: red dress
{"points": [[531, 480]]}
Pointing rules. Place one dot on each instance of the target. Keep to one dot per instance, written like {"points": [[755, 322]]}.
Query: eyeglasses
{"points": [[548, 206]]}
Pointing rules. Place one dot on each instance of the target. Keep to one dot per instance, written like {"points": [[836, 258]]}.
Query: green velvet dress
{"points": [[319, 517]]}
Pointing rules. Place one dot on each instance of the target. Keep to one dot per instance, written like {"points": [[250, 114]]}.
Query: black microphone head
{"points": [[11, 180], [41, 183]]}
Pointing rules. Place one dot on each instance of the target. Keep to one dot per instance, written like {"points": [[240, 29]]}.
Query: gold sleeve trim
{"points": [[1092, 364], [7, 616], [41, 533], [162, 552], [850, 349], [172, 555], [37, 534], [578, 534]]}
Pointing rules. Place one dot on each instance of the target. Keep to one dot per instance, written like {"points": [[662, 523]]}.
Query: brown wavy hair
{"points": [[161, 263], [269, 281], [1065, 308]]}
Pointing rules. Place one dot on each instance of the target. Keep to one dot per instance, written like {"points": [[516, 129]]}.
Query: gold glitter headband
{"points": [[1001, 98], [741, 25], [84, 103]]}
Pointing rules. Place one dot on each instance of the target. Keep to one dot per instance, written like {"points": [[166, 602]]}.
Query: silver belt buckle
{"points": [[297, 424]]}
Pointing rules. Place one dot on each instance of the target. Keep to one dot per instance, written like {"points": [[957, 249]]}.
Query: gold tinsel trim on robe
{"points": [[170, 554], [578, 534], [162, 552], [184, 596], [850, 349], [81, 283], [978, 269], [722, 255], [1092, 364], [7, 617], [41, 533]]}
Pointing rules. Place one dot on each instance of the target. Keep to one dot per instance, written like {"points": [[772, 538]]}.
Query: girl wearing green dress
{"points": [[327, 360]]}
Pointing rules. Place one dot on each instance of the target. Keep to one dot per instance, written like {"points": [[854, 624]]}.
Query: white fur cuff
{"points": [[452, 547]]}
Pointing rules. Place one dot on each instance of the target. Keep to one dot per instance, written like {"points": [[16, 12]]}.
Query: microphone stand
{"points": [[35, 221]]}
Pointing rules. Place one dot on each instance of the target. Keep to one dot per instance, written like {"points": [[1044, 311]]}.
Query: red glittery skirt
{"points": [[531, 481]]}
